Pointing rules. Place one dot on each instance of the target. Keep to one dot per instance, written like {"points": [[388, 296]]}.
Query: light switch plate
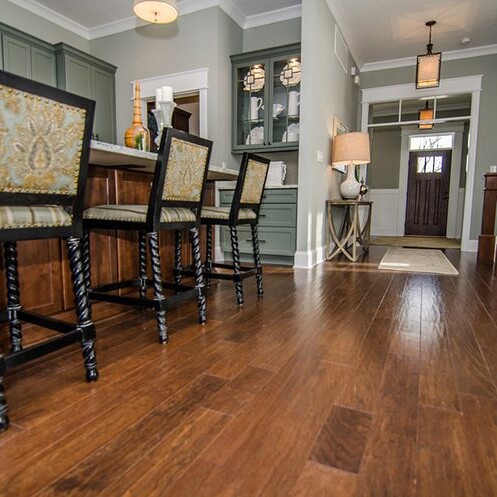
{"points": [[320, 156]]}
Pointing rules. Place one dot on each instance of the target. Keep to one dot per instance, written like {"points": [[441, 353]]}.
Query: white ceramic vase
{"points": [[350, 188]]}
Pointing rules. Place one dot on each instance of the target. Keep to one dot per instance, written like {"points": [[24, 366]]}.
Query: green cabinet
{"points": [[93, 78], [277, 227], [266, 100], [27, 56]]}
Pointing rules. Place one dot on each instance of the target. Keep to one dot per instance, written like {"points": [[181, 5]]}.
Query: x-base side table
{"points": [[350, 233]]}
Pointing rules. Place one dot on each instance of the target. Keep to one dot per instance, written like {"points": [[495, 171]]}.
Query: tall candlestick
{"points": [[167, 94]]}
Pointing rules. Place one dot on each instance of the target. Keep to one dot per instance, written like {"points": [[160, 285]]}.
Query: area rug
{"points": [[436, 242], [417, 261]]}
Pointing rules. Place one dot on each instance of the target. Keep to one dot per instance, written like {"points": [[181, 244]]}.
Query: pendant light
{"points": [[156, 11], [428, 65], [426, 114]]}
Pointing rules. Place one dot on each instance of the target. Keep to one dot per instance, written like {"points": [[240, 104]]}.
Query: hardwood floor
{"points": [[342, 382]]}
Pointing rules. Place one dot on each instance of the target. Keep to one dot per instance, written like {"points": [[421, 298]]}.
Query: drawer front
{"points": [[272, 241], [278, 215], [270, 196]]}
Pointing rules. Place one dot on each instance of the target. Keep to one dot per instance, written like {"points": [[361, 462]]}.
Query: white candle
{"points": [[167, 94], [158, 95]]}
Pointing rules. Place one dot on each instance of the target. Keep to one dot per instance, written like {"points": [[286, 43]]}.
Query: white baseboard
{"points": [[309, 258], [469, 246]]}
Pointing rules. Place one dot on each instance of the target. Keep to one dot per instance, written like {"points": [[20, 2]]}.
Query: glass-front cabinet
{"points": [[266, 99]]}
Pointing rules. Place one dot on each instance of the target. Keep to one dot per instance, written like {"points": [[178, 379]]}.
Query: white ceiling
{"points": [[93, 13], [375, 30], [379, 30]]}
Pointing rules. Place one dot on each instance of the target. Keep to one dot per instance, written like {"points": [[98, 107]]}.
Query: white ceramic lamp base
{"points": [[350, 188]]}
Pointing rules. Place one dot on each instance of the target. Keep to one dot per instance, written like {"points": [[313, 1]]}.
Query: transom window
{"points": [[429, 164], [431, 142]]}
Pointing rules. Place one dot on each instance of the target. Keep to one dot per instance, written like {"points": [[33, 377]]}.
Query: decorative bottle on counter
{"points": [[137, 136]]}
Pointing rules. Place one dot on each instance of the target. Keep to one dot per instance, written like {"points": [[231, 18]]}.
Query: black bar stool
{"points": [[244, 210], [175, 204], [44, 148]]}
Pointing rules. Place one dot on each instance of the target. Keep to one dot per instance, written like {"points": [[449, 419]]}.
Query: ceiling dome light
{"points": [[156, 11]]}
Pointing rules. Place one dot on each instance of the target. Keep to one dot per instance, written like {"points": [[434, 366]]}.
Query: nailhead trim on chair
{"points": [[138, 213], [224, 213]]}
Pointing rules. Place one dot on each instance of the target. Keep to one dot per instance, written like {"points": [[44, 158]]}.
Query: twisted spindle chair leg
{"points": [[153, 239], [83, 312], [142, 264], [13, 296], [257, 260], [85, 254], [199, 277], [236, 264], [178, 264], [4, 418], [208, 254]]}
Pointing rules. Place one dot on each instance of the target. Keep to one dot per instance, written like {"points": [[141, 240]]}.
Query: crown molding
{"points": [[273, 16], [184, 7], [233, 11], [464, 53], [51, 15]]}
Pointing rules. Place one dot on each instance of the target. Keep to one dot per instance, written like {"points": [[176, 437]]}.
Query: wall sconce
{"points": [[428, 65]]}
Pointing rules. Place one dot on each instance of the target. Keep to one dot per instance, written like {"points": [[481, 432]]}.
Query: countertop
{"points": [[110, 155], [229, 185]]}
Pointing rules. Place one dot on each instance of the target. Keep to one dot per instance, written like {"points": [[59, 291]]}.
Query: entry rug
{"points": [[417, 261]]}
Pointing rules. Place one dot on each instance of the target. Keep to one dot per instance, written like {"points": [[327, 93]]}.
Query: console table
{"points": [[486, 241], [350, 234]]}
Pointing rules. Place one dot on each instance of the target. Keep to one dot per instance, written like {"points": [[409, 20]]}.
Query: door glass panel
{"points": [[429, 164], [285, 113], [251, 80]]}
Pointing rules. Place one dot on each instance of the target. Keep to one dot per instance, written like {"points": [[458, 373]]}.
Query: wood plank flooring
{"points": [[343, 381]]}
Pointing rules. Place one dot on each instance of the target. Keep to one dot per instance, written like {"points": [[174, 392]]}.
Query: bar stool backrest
{"points": [[250, 184], [45, 138], [180, 173]]}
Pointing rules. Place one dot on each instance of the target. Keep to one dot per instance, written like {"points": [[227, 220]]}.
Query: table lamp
{"points": [[349, 150]]}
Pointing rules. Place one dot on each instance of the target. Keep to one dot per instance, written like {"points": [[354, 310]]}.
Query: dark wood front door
{"points": [[428, 193]]}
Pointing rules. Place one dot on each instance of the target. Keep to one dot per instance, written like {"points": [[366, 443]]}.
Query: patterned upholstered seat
{"points": [[44, 147], [36, 216], [138, 213], [224, 213], [174, 204]]}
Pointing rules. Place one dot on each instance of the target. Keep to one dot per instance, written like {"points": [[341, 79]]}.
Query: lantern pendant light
{"points": [[156, 11], [426, 114], [428, 65]]}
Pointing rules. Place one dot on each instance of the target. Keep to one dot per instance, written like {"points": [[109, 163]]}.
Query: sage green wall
{"points": [[201, 39], [486, 152], [384, 170], [34, 25], [272, 35], [326, 91]]}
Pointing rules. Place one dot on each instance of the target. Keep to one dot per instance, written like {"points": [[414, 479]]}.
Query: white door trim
{"points": [[468, 84], [456, 130]]}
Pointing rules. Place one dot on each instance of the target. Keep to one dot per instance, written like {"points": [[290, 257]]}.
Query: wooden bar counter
{"points": [[117, 175]]}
